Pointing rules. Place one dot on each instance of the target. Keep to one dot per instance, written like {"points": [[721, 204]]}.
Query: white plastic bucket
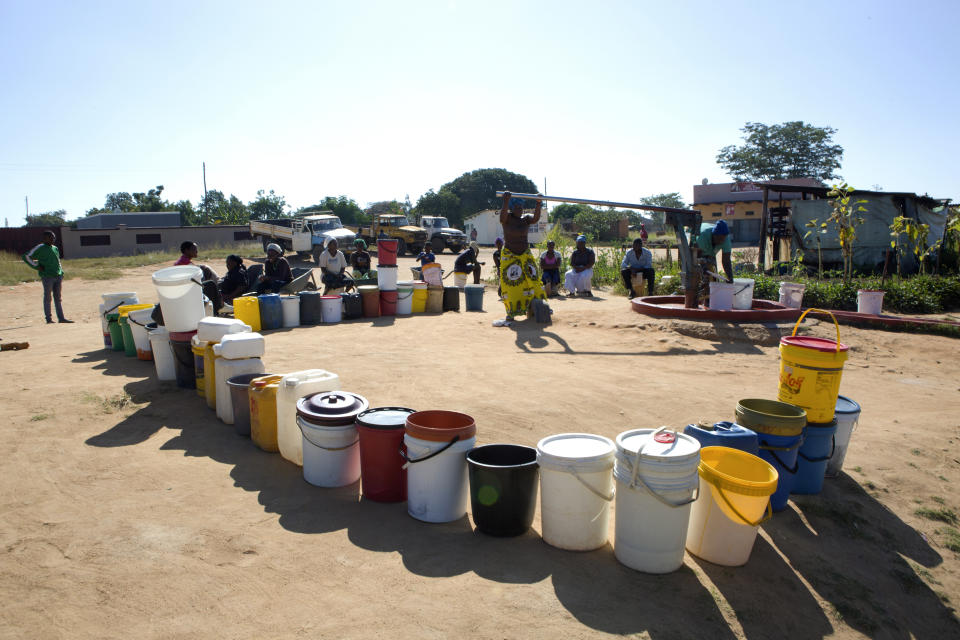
{"points": [[331, 309], [743, 294], [138, 321], [223, 371], [432, 274], [721, 295], [404, 300], [869, 301], [214, 329], [459, 279], [290, 306], [181, 297], [292, 387], [387, 277], [656, 474], [437, 488], [576, 489], [791, 294], [162, 354], [234, 346], [113, 301], [331, 455], [847, 415]]}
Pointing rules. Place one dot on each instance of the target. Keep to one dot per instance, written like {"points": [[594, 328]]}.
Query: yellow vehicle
{"points": [[394, 225]]}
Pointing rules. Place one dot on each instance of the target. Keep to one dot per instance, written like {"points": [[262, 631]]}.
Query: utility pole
{"points": [[205, 213], [26, 202]]}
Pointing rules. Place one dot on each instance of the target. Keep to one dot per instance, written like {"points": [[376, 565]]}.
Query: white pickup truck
{"points": [[306, 234], [441, 235]]}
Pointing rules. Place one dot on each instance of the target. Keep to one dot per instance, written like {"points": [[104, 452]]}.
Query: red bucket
{"points": [[382, 476], [388, 303], [387, 251]]}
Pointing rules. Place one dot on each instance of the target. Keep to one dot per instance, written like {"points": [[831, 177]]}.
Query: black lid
{"points": [[331, 408], [385, 417]]}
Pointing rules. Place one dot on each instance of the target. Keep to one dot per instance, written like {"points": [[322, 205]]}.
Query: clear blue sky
{"points": [[378, 100]]}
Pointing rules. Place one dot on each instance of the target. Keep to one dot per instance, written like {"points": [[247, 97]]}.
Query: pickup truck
{"points": [[441, 235], [306, 234], [394, 225]]}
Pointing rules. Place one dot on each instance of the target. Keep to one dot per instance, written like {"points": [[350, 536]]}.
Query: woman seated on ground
{"points": [[360, 260], [276, 271], [550, 262], [235, 283], [332, 267]]}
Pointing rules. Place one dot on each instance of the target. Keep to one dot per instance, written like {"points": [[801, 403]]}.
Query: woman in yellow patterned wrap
{"points": [[519, 274]]}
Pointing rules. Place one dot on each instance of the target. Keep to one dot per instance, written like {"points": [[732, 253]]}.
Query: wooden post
{"points": [[762, 258]]}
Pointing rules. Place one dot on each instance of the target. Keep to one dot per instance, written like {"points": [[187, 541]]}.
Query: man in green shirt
{"points": [[45, 258], [713, 239]]}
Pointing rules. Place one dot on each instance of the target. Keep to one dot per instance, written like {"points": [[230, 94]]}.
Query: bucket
{"points": [[432, 274], [370, 296], [213, 329], [434, 299], [388, 303], [263, 412], [331, 309], [819, 444], [180, 342], [115, 330], [387, 252], [869, 301], [735, 489], [240, 345], [810, 371], [459, 279], [656, 474], [129, 348], [138, 321], [181, 297], [105, 327], [451, 299], [503, 488], [721, 295], [292, 387], [224, 370], [111, 303], [247, 310], [240, 400], [271, 311], [387, 277], [310, 307], [382, 476], [779, 428], [743, 294], [331, 452], [291, 311], [473, 297], [576, 489], [847, 417], [210, 373], [404, 300], [436, 445], [791, 294], [162, 354], [351, 306], [724, 434], [418, 302], [199, 347]]}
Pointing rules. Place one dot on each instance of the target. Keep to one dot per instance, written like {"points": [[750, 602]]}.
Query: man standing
{"points": [[638, 260], [714, 239], [519, 277], [45, 258], [579, 277]]}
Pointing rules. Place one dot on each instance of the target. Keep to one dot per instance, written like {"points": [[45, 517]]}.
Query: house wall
{"points": [[487, 224], [124, 241]]}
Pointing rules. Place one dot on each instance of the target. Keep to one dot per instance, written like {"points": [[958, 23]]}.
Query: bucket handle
{"points": [[773, 452], [112, 308], [403, 454], [603, 496], [745, 287], [399, 297], [319, 446], [638, 477], [832, 317], [833, 448], [766, 516]]}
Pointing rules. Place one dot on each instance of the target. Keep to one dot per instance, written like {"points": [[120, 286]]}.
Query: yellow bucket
{"points": [[210, 374], [199, 347], [810, 370], [124, 310], [263, 412], [419, 304], [735, 490], [247, 309]]}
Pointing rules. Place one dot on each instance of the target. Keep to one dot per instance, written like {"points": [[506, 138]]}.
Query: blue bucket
{"points": [[781, 452], [271, 311], [473, 293], [818, 446], [724, 434]]}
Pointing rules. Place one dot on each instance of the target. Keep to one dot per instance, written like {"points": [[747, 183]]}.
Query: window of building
{"points": [[748, 213], [716, 214], [148, 238], [94, 241], [241, 235]]}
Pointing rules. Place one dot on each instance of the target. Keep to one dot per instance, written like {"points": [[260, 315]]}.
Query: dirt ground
{"points": [[129, 510]]}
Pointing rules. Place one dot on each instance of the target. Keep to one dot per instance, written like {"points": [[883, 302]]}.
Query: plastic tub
{"points": [[199, 348], [116, 331], [129, 348], [870, 301], [503, 488], [183, 359], [779, 428], [387, 277], [819, 442], [810, 372], [473, 297], [459, 279], [292, 387], [721, 295], [418, 303], [436, 445], [247, 310], [791, 294], [351, 306], [226, 369], [271, 311], [311, 309], [111, 304], [331, 309], [162, 354], [434, 299], [387, 251], [181, 297], [263, 412], [382, 474], [241, 345], [576, 489], [847, 416], [331, 452], [240, 400], [404, 300], [743, 294], [451, 299], [370, 296], [388, 303], [138, 321], [290, 306], [210, 358]]}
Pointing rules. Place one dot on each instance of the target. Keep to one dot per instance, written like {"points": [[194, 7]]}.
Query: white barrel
{"points": [[387, 277], [459, 279], [223, 371], [113, 301], [213, 329], [331, 309], [138, 321], [576, 488], [721, 295], [791, 294], [162, 354], [870, 302], [847, 413], [657, 480], [234, 346], [404, 300], [331, 454], [743, 293], [437, 488], [291, 311], [181, 297], [292, 387]]}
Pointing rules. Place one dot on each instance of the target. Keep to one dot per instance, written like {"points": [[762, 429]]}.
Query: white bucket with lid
{"points": [[743, 294], [291, 311], [387, 277], [657, 480], [791, 294], [181, 296], [576, 489], [162, 354], [223, 371], [404, 300], [869, 301], [214, 329], [234, 346], [721, 295], [331, 309], [331, 454], [292, 387], [847, 413]]}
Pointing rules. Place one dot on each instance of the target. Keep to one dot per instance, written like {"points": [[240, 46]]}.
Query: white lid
{"points": [[676, 447], [212, 329], [241, 337], [177, 275], [574, 449]]}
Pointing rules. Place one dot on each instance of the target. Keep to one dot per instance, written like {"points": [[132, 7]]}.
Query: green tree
{"points": [[217, 209], [476, 191], [56, 218], [343, 207], [672, 200], [267, 206], [443, 203], [150, 201], [780, 151], [567, 211], [596, 224], [120, 201], [188, 215], [384, 206]]}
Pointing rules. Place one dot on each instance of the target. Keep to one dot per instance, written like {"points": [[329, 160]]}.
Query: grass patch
{"points": [[39, 417], [858, 469], [869, 485], [938, 499], [916, 452], [943, 478], [951, 538], [108, 405], [943, 514]]}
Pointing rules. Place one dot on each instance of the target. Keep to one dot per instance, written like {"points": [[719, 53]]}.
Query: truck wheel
{"points": [[438, 244], [401, 246], [317, 250]]}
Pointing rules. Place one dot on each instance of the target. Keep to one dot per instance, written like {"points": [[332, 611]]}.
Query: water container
{"points": [[432, 274], [310, 308], [138, 327], [199, 348], [434, 299], [387, 251], [436, 445], [210, 358], [387, 277], [371, 300], [271, 311], [105, 328], [331, 309], [240, 400], [246, 309], [869, 301], [263, 412], [810, 371], [162, 354], [779, 428], [418, 303], [503, 488], [352, 305], [181, 297], [291, 311], [129, 349], [241, 345], [331, 446], [791, 294], [847, 415], [819, 443], [721, 295], [404, 300], [459, 279], [224, 370], [213, 329], [388, 303], [382, 472], [292, 387], [180, 342], [576, 489], [724, 434], [473, 297], [743, 294], [451, 299], [116, 331], [111, 303]]}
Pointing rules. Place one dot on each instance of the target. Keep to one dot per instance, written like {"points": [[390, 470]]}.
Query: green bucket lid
{"points": [[772, 417]]}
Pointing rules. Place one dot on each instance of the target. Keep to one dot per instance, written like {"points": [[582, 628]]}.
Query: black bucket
{"points": [[503, 488], [184, 364], [239, 387], [310, 307], [451, 299], [352, 305]]}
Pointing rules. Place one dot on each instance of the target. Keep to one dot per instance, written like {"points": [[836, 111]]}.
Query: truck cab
{"points": [[441, 235], [324, 226]]}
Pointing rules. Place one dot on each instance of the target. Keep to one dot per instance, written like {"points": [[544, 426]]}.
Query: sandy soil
{"points": [[129, 510]]}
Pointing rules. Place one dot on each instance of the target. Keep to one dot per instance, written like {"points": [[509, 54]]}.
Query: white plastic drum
{"points": [[291, 311], [181, 297], [721, 295], [437, 487], [331, 454], [743, 294]]}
